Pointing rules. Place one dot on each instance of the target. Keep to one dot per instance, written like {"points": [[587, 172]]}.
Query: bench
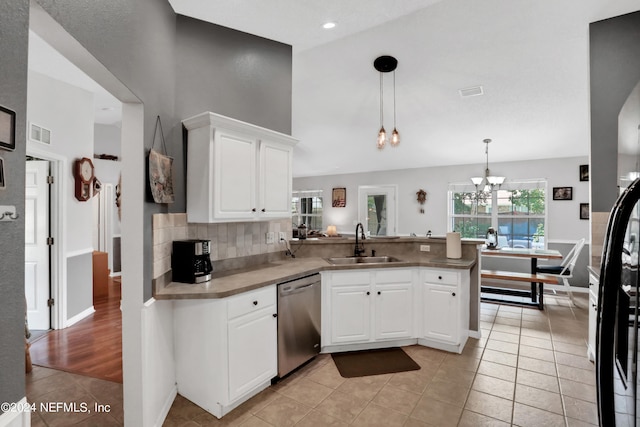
{"points": [[535, 294]]}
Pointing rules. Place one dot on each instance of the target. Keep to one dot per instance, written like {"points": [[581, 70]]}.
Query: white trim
{"points": [[16, 418], [79, 252], [565, 242], [389, 190], [78, 317], [58, 210], [475, 334], [166, 407]]}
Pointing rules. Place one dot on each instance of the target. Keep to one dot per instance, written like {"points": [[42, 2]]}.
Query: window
{"points": [[306, 208], [517, 211]]}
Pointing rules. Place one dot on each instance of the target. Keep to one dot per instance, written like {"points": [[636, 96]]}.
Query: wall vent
{"points": [[40, 134], [471, 91]]}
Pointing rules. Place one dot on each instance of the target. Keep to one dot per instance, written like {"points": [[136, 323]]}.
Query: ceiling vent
{"points": [[40, 134], [471, 91]]}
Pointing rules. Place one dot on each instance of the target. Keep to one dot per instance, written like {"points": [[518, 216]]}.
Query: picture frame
{"points": [[584, 210], [584, 172], [3, 184], [562, 193], [7, 129], [339, 197]]}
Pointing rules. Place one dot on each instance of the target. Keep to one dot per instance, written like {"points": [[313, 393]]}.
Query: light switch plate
{"points": [[425, 248], [270, 237]]}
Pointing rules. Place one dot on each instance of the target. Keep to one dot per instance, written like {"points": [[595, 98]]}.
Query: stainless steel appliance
{"points": [[190, 261], [617, 335], [298, 322]]}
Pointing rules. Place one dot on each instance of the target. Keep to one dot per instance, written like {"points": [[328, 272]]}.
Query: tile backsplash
{"points": [[228, 240]]}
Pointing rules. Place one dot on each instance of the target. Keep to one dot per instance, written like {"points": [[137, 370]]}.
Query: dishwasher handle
{"points": [[293, 289]]}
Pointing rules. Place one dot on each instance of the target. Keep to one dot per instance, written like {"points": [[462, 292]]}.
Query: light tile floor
{"points": [[529, 369]]}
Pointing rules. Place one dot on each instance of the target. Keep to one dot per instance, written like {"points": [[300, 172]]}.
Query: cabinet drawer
{"points": [[251, 301], [444, 277], [351, 278]]}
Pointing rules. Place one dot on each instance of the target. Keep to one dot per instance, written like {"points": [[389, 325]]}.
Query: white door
{"points": [[351, 314], [253, 351], [275, 180], [377, 207], [441, 313], [36, 218]]}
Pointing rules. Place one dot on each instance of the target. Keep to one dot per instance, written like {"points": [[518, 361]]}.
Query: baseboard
{"points": [[166, 407], [78, 317], [17, 416], [475, 334]]}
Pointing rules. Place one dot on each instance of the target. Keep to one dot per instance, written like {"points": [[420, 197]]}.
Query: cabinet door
{"points": [[441, 313], [234, 187], [394, 311], [351, 311], [252, 351], [275, 180]]}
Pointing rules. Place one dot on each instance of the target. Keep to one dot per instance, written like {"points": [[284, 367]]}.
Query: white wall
{"points": [[68, 112], [563, 216]]}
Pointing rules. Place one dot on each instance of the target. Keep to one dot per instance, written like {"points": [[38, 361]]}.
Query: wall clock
{"points": [[83, 173]]}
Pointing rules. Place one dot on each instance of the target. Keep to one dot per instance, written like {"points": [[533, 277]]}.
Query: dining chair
{"points": [[565, 270]]}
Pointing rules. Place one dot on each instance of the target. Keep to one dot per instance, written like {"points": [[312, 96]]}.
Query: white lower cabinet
{"points": [[445, 308], [366, 306], [225, 349]]}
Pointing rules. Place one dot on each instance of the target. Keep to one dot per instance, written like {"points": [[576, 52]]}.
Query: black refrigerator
{"points": [[617, 324]]}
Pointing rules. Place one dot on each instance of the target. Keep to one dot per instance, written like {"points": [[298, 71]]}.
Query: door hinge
{"points": [[49, 179], [50, 302], [50, 241]]}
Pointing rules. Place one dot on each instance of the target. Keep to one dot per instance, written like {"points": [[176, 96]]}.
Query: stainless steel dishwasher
{"points": [[298, 322]]}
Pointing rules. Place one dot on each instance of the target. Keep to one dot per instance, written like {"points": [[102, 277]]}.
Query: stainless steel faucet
{"points": [[358, 250]]}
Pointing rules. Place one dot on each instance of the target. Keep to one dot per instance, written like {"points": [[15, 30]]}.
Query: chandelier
{"points": [[488, 182]]}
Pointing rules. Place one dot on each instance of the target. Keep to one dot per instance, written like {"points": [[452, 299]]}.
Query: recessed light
{"points": [[328, 25]]}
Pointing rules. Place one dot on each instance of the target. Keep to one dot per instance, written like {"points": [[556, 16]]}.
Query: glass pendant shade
{"points": [[477, 180], [495, 180], [395, 137], [382, 138]]}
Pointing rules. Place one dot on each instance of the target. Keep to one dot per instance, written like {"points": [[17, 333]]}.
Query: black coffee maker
{"points": [[190, 261]]}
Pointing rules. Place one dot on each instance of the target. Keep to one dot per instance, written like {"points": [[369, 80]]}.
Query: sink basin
{"points": [[363, 260]]}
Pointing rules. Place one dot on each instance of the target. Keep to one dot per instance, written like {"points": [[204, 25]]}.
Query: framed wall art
{"points": [[584, 210], [562, 193], [7, 129], [584, 172], [339, 197]]}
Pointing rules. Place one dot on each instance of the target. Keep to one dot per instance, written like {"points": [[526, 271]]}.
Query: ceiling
{"points": [[530, 57]]}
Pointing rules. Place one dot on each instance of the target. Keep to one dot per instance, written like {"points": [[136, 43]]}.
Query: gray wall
{"points": [[14, 34], [136, 41], [615, 70], [79, 279]]}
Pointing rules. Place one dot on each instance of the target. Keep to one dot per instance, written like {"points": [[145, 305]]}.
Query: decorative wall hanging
{"points": [[562, 193], [584, 210], [422, 198], [83, 172], [339, 197], [7, 129], [584, 172], [160, 170]]}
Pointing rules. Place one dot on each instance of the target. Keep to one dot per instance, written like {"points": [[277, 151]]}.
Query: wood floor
{"points": [[91, 347]]}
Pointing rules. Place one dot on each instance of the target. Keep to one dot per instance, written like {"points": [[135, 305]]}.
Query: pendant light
{"points": [[489, 181], [387, 64]]}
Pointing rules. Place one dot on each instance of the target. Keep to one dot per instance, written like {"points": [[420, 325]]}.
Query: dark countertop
{"points": [[234, 282]]}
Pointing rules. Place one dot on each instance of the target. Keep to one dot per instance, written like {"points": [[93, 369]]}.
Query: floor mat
{"points": [[363, 363]]}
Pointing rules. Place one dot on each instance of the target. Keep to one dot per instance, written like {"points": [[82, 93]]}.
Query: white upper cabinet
{"points": [[236, 171]]}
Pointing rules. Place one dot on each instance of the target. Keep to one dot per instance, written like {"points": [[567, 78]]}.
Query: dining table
{"points": [[534, 278]]}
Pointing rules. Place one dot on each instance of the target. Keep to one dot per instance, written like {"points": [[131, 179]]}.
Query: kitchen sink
{"points": [[363, 260]]}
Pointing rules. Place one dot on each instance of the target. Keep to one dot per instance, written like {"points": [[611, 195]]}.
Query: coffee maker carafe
{"points": [[190, 261]]}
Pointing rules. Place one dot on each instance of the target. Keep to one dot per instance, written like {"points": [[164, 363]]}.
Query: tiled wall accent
{"points": [[228, 240], [599, 222]]}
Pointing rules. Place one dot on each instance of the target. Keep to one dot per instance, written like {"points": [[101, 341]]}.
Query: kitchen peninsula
{"points": [[227, 326]]}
